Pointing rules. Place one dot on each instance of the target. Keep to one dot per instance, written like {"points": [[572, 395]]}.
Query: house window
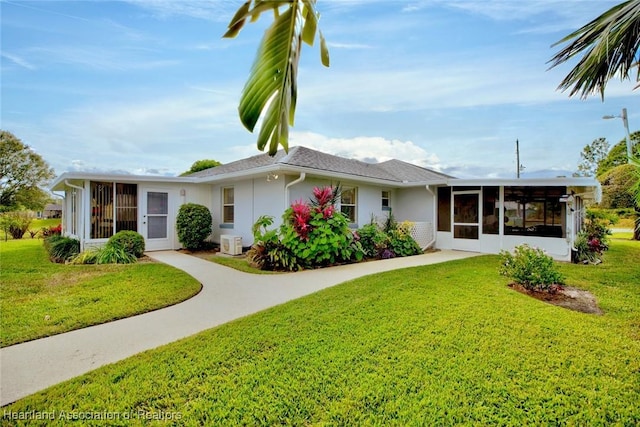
{"points": [[490, 210], [73, 220], [126, 207], [444, 209], [534, 211], [386, 206], [227, 205], [113, 208], [348, 203]]}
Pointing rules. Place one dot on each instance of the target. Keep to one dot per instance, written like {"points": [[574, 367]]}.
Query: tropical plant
{"points": [[610, 42], [372, 239], [131, 241], [16, 223], [401, 243], [271, 90], [194, 225], [588, 250], [531, 268], [61, 249], [596, 226], [316, 233], [114, 254], [267, 252]]}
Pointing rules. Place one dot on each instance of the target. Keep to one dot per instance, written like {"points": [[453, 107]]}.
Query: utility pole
{"points": [[519, 167]]}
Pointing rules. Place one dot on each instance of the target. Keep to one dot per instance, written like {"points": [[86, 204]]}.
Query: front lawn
{"points": [[39, 298], [435, 345]]}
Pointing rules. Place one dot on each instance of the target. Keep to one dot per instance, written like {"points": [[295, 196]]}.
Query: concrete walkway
{"points": [[226, 295]]}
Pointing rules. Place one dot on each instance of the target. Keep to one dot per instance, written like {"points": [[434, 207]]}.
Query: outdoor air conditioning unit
{"points": [[231, 245]]}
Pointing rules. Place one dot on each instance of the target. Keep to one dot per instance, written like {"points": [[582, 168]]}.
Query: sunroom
{"points": [[493, 215]]}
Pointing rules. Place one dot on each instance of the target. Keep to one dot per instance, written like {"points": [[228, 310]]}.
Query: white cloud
{"points": [[372, 149], [18, 61]]}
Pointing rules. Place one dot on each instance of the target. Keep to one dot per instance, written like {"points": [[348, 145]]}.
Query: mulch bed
{"points": [[565, 296]]}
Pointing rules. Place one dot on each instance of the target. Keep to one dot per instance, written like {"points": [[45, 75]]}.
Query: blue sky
{"points": [[149, 86]]}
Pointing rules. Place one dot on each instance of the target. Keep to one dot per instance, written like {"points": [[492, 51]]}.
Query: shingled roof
{"points": [[303, 157]]}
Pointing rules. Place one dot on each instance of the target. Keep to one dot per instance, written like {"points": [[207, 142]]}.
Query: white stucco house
{"points": [[482, 215]]}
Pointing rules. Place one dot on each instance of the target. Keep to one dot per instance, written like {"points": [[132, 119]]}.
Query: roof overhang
{"points": [[326, 174], [588, 188], [78, 177]]}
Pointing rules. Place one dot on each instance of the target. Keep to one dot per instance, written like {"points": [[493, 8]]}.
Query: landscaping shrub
{"points": [[530, 267], [389, 240], [587, 251], [113, 254], [131, 241], [593, 240], [401, 243], [313, 234], [372, 239], [51, 231], [194, 225], [61, 249], [267, 253], [16, 223]]}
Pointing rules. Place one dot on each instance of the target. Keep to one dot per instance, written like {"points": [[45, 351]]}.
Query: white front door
{"points": [[466, 221], [156, 220]]}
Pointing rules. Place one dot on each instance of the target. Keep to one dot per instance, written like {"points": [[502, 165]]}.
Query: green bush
{"points": [[61, 249], [194, 225], [16, 223], [112, 254], [372, 239], [401, 243], [587, 251], [530, 267], [389, 240], [130, 241], [267, 252]]}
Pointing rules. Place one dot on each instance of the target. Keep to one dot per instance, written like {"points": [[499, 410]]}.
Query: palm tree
{"points": [[610, 43], [271, 89]]}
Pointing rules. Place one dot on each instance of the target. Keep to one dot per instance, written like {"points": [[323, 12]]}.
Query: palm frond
{"points": [[610, 42], [270, 93]]}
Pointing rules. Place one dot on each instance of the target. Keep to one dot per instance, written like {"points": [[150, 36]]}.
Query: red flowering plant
{"points": [[318, 234], [300, 217]]}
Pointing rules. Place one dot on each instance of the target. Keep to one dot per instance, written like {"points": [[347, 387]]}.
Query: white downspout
{"points": [[435, 216], [81, 213], [302, 177]]}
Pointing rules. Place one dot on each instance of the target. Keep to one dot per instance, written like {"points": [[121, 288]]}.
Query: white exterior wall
{"points": [[414, 204], [179, 193], [252, 199], [368, 197], [558, 248]]}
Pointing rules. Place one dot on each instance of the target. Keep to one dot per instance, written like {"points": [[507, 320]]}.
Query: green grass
{"points": [[39, 298], [434, 345], [627, 235], [36, 225]]}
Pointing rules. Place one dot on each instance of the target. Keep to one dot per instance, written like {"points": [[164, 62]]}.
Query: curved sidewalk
{"points": [[226, 295]]}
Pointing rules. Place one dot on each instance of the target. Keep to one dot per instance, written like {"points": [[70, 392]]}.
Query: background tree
{"points": [[22, 173], [617, 156], [200, 165], [271, 90], [592, 155], [617, 183]]}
